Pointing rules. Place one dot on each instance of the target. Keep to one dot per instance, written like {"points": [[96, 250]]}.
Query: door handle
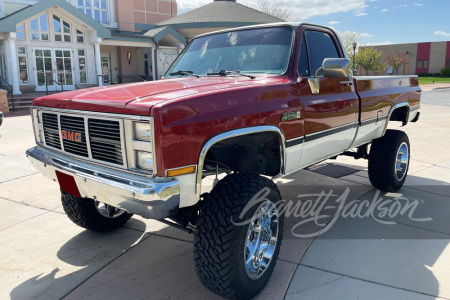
{"points": [[347, 83]]}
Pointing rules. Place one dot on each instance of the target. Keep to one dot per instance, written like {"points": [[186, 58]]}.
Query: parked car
{"points": [[253, 103]]}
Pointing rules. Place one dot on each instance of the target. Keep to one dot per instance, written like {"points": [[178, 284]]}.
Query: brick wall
{"points": [[3, 101]]}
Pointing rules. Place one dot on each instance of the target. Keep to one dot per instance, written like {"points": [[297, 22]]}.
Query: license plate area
{"points": [[68, 184]]}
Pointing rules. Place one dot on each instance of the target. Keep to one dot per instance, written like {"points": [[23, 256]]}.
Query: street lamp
{"points": [[354, 54]]}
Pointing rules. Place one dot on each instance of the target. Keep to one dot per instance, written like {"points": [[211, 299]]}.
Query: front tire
{"points": [[236, 260], [389, 161], [93, 215]]}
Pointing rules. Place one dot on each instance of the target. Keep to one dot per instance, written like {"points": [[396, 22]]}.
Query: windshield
{"points": [[261, 50]]}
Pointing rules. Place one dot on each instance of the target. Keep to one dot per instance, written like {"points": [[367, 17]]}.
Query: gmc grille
{"points": [[51, 131], [88, 137], [105, 140], [74, 125]]}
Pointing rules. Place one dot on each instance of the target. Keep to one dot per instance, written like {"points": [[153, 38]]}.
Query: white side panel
{"points": [[318, 149], [293, 156], [369, 130]]}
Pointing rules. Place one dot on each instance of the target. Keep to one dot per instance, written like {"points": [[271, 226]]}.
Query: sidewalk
{"points": [[435, 86], [46, 256]]}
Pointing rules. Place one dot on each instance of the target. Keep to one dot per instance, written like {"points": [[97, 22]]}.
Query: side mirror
{"points": [[336, 68], [331, 68]]}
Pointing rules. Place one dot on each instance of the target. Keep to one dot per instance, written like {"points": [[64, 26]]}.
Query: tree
{"points": [[395, 60], [274, 8], [348, 38], [369, 59]]}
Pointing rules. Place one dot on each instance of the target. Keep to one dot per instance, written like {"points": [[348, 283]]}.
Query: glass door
{"points": [[106, 71], [64, 74], [44, 69], [53, 65]]}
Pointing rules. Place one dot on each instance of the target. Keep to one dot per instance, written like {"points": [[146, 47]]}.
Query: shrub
{"points": [[445, 72], [436, 74], [424, 74]]}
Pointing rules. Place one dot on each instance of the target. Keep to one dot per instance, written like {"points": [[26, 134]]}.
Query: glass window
{"points": [[419, 64], [303, 63], [20, 32], [43, 22], [320, 46], [61, 29], [82, 64], [96, 9], [80, 36], [23, 70], [39, 28], [34, 25], [261, 50], [425, 63]]}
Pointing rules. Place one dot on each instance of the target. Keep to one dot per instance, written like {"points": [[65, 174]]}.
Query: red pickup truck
{"points": [[250, 103]]}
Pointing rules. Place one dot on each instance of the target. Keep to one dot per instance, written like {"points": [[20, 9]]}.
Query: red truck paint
{"points": [[189, 111]]}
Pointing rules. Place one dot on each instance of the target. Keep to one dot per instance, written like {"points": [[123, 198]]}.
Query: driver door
{"points": [[331, 113]]}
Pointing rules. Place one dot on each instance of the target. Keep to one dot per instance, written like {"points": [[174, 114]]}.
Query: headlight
{"points": [[144, 160], [142, 132]]}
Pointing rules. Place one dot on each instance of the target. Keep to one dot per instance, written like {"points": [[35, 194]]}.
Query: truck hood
{"points": [[139, 98]]}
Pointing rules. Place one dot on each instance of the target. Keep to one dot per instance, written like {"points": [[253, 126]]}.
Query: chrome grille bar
{"points": [[98, 139]]}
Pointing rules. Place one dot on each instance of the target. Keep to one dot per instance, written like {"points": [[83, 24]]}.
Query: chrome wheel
{"points": [[108, 211], [401, 163], [261, 240]]}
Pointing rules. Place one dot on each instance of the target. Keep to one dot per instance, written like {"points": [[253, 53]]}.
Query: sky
{"points": [[378, 21]]}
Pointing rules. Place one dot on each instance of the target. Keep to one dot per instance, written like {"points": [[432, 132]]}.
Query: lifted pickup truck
{"points": [[255, 103]]}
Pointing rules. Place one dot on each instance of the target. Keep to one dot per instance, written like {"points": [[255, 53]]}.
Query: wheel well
{"points": [[400, 114], [258, 153]]}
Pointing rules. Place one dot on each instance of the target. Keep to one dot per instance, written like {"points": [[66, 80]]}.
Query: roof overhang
{"points": [[9, 22], [165, 33]]}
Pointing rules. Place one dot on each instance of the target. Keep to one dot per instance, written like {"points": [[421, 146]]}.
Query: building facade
{"points": [[83, 43], [428, 57]]}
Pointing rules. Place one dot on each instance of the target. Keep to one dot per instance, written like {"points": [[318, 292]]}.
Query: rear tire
{"points": [[389, 161], [85, 213], [227, 256]]}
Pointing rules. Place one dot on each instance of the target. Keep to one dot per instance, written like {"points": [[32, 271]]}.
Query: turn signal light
{"points": [[180, 171]]}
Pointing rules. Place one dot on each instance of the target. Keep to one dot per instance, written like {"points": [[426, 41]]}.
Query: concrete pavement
{"points": [[46, 256]]}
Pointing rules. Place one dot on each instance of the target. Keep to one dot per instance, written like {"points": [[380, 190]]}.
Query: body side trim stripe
{"points": [[331, 131], [294, 142]]}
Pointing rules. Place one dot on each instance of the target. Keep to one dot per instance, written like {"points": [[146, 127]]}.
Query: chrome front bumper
{"points": [[151, 198]]}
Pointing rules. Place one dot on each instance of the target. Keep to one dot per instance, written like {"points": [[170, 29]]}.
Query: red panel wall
{"points": [[447, 56], [423, 53]]}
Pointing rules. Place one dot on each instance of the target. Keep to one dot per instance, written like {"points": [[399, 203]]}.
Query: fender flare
{"points": [[235, 133], [391, 111]]}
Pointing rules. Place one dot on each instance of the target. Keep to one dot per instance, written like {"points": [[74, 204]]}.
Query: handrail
{"points": [[107, 80], [10, 89], [54, 81]]}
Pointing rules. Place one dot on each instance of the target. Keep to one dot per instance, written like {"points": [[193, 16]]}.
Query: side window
{"points": [[303, 64], [320, 46]]}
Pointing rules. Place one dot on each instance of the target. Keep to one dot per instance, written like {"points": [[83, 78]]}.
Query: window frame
{"points": [[79, 64], [425, 63], [39, 30], [26, 64], [20, 31], [61, 32], [421, 64], [333, 37], [79, 35], [83, 8]]}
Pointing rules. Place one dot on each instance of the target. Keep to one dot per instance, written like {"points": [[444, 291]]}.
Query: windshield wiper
{"points": [[225, 73], [184, 73]]}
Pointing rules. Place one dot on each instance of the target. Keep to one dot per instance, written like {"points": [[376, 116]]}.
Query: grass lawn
{"points": [[429, 80]]}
